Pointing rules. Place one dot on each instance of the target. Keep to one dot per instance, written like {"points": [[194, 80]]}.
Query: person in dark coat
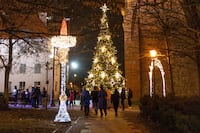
{"points": [[27, 96], [86, 101], [115, 101], [44, 97], [95, 99], [130, 95], [123, 97], [102, 101], [37, 97], [33, 97]]}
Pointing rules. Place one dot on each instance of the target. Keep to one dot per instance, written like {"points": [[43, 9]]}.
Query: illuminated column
{"points": [[63, 42]]}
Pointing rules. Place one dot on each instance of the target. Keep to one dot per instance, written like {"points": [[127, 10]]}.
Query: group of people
{"points": [[35, 97], [102, 100]]}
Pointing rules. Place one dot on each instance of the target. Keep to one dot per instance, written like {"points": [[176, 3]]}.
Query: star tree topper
{"points": [[104, 8]]}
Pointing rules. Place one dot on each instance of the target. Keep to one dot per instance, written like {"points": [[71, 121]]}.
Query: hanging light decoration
{"points": [[95, 60], [103, 49], [117, 75], [63, 40], [91, 75], [113, 60], [103, 74]]}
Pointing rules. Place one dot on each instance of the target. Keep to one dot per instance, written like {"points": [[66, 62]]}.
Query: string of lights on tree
{"points": [[105, 68]]}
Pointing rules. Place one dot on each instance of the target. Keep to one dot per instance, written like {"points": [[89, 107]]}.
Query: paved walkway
{"points": [[109, 124], [112, 124], [125, 122]]}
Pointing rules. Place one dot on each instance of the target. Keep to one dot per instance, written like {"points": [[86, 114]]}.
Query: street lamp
{"points": [[153, 55], [52, 90], [155, 62], [47, 80], [74, 65]]}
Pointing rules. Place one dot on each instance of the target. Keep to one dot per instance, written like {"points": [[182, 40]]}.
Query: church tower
{"points": [[158, 24], [131, 48]]}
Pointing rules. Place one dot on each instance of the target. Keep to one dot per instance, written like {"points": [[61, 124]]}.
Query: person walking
{"points": [[130, 95], [95, 99], [115, 101], [33, 97], [108, 91], [123, 97], [102, 101], [37, 96], [81, 97], [15, 95], [71, 98], [86, 101], [44, 97], [27, 96]]}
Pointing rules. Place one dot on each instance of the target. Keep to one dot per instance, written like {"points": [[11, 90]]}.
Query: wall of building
{"points": [[131, 50], [138, 40], [29, 77]]}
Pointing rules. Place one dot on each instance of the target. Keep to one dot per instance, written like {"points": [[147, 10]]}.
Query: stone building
{"points": [[159, 25], [28, 69]]}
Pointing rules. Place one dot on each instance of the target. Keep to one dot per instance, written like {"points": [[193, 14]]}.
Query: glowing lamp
{"points": [[153, 53]]}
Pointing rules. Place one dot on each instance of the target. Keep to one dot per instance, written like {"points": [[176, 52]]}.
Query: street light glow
{"points": [[74, 65], [153, 53]]}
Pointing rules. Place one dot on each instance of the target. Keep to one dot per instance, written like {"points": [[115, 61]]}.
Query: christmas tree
{"points": [[105, 68]]}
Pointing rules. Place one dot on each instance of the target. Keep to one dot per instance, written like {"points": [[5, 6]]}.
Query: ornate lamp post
{"points": [[153, 55], [155, 62], [63, 42]]}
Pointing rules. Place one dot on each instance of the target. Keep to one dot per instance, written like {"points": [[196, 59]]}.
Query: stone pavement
{"points": [[125, 122], [112, 124]]}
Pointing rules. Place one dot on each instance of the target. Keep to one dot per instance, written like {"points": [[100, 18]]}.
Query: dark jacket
{"points": [[115, 98], [86, 98], [102, 99], [95, 97]]}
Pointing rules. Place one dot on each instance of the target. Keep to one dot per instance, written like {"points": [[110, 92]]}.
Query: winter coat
{"points": [[86, 98], [102, 99], [95, 97]]}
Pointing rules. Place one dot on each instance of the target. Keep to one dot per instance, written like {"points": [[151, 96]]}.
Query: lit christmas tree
{"points": [[105, 68]]}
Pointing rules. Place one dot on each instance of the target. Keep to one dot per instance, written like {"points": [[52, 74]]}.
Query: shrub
{"points": [[180, 114]]}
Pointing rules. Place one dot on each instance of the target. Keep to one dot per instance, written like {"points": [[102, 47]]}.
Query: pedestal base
{"points": [[63, 115]]}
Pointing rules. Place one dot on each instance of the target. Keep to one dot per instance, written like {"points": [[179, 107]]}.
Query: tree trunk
{"points": [[6, 82], [170, 66], [198, 65], [7, 71]]}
